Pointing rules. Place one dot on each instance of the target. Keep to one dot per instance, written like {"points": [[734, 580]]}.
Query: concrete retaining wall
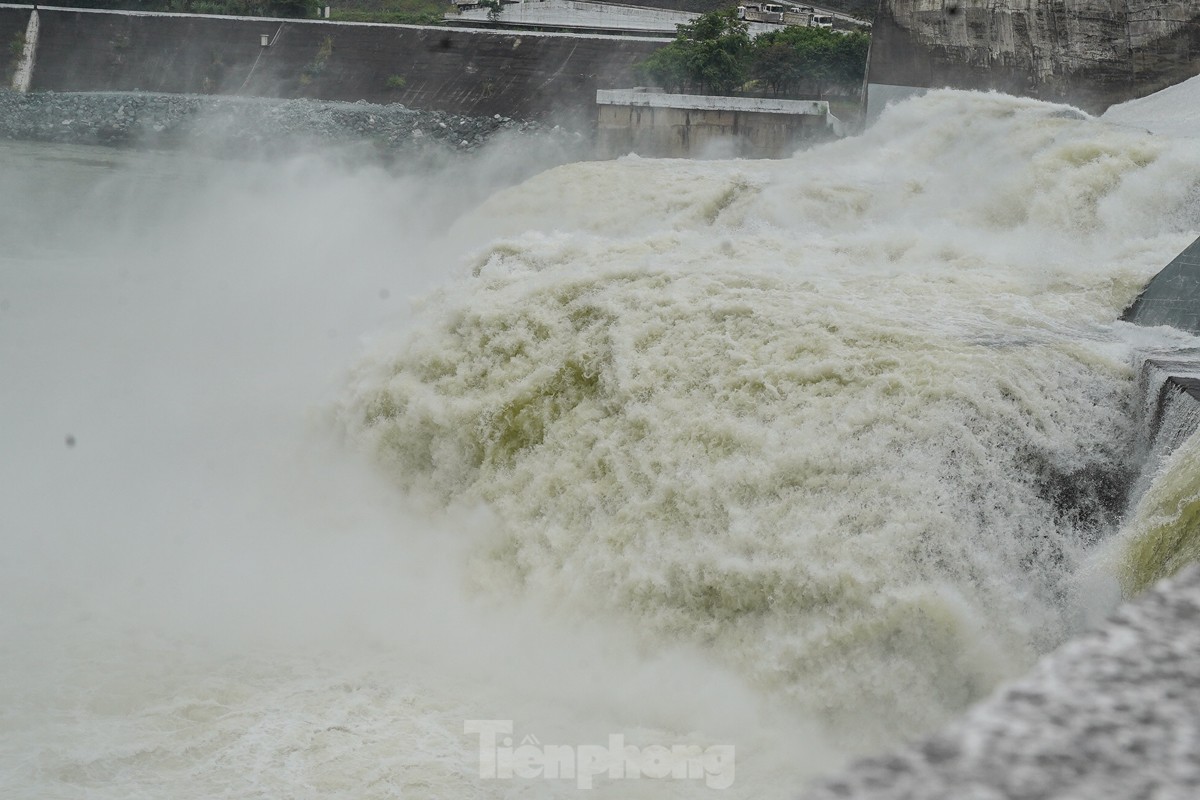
{"points": [[683, 126], [459, 70]]}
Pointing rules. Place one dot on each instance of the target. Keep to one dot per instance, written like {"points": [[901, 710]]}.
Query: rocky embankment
{"points": [[253, 126]]}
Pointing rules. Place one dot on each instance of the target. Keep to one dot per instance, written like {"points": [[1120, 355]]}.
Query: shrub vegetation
{"points": [[715, 55]]}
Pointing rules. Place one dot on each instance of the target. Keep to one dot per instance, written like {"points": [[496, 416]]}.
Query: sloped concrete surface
{"points": [[1173, 296]]}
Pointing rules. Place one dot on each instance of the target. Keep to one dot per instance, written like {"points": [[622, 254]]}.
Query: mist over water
{"points": [[798, 456]]}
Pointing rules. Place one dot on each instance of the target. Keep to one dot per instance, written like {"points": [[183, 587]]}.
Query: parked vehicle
{"points": [[783, 14]]}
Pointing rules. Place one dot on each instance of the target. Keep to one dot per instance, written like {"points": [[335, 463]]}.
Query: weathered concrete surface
{"points": [[681, 126], [458, 70], [1091, 53], [1114, 715], [13, 23], [27, 45], [1173, 296]]}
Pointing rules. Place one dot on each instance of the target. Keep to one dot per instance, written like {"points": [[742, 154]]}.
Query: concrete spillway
{"points": [[1173, 296]]}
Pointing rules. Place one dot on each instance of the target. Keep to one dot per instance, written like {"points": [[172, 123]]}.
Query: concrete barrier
{"points": [[665, 125]]}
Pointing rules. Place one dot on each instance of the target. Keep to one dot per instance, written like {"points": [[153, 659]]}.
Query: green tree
{"points": [[710, 54], [775, 64], [850, 59], [667, 67], [806, 60]]}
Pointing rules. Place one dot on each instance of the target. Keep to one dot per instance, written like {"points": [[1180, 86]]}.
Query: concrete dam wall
{"points": [[1090, 53], [459, 70]]}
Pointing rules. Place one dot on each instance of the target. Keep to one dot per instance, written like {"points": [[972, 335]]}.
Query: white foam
{"points": [[814, 414], [788, 413]]}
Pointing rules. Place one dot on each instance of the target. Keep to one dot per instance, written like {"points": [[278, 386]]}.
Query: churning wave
{"points": [[852, 422], [800, 456]]}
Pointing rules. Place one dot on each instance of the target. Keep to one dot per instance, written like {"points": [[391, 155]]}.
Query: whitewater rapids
{"points": [[801, 456]]}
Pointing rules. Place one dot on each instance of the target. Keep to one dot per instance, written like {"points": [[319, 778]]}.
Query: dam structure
{"points": [[817, 456], [1089, 53], [526, 74], [1170, 381]]}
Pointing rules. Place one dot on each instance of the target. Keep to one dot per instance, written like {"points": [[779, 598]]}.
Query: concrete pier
{"points": [[662, 125]]}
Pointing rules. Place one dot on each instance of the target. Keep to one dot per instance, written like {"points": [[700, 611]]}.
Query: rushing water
{"points": [[801, 457]]}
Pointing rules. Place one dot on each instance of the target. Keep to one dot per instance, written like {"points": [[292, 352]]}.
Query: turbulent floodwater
{"points": [[797, 457]]}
